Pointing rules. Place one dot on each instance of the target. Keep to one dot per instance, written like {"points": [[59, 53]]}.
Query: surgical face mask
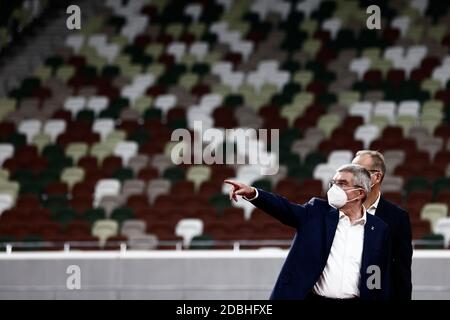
{"points": [[337, 197]]}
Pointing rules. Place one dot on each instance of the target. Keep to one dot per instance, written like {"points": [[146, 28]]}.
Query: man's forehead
{"points": [[364, 160], [347, 176]]}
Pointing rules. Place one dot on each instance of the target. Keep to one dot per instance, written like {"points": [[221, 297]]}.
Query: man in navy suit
{"points": [[396, 218], [339, 251]]}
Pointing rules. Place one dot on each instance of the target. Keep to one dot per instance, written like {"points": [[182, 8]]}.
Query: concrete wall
{"points": [[176, 274]]}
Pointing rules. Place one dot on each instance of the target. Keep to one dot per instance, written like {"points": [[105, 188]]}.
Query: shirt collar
{"points": [[374, 206], [361, 220]]}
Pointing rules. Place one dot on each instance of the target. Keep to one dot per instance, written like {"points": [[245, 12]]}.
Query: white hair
{"points": [[361, 177]]}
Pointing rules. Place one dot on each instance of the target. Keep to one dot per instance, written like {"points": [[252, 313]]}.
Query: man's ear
{"points": [[375, 178], [363, 193]]}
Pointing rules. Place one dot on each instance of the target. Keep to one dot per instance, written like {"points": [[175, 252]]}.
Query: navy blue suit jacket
{"points": [[316, 223], [401, 247]]}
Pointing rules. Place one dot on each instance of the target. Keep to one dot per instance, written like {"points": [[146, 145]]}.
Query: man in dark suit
{"points": [[339, 251], [396, 218]]}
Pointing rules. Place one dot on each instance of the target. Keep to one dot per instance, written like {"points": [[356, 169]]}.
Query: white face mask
{"points": [[337, 197]]}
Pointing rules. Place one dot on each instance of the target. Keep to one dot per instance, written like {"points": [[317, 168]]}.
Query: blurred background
{"points": [[86, 118]]}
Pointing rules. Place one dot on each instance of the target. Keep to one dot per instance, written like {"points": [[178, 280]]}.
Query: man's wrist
{"points": [[254, 197]]}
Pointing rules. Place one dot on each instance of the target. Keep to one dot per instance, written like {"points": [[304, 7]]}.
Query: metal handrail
{"points": [[124, 245], [175, 244]]}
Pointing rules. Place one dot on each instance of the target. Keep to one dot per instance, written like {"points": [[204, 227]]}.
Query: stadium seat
{"points": [[433, 212], [325, 173], [106, 187], [338, 158], [6, 202], [133, 227], [126, 150], [6, 151], [156, 188], [143, 242], [71, 176], [189, 228], [443, 227], [104, 229]]}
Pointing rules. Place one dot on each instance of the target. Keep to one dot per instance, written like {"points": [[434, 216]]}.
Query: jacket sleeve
{"points": [[402, 259], [280, 208]]}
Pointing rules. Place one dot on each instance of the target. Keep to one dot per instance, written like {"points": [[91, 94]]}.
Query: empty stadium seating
{"points": [[85, 138]]}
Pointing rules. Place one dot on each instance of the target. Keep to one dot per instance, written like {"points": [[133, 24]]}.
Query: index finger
{"points": [[232, 182]]}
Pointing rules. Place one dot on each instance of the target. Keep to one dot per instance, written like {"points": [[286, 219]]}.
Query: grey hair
{"points": [[378, 162], [361, 177]]}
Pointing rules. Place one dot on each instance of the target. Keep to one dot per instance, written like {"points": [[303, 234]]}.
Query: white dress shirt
{"points": [[374, 206], [340, 277]]}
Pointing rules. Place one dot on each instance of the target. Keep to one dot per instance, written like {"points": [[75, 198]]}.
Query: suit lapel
{"points": [[368, 247], [367, 244], [331, 222], [380, 209]]}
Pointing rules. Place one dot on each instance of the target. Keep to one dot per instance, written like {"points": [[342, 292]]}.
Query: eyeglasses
{"points": [[373, 171], [341, 184]]}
